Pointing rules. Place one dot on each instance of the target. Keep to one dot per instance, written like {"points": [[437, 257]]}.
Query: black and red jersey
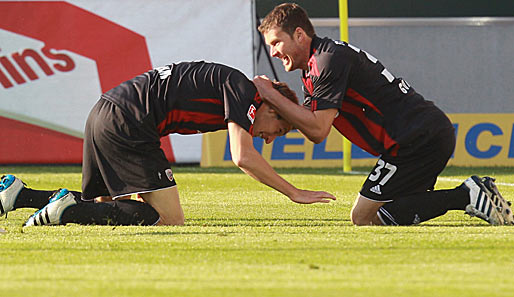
{"points": [[188, 98], [378, 112]]}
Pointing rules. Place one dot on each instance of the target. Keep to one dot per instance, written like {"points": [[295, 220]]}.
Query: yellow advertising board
{"points": [[482, 140]]}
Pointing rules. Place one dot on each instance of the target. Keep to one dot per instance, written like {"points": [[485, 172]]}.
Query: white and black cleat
{"points": [[503, 206], [10, 187], [486, 202], [51, 214]]}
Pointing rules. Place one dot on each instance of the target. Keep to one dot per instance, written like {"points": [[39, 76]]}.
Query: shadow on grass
{"points": [[219, 233], [267, 222], [310, 223]]}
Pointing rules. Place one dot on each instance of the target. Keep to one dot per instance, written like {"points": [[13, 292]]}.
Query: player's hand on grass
{"points": [[308, 197]]}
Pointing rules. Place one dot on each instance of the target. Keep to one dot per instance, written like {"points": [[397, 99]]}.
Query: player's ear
{"points": [[266, 108], [299, 33], [275, 113]]}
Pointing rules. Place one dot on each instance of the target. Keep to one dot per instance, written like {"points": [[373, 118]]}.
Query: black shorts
{"points": [[395, 177], [121, 155]]}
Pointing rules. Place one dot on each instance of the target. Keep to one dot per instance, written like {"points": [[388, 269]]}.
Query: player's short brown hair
{"points": [[288, 17], [284, 89]]}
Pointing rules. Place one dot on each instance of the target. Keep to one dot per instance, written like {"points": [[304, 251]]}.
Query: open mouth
{"points": [[285, 61]]}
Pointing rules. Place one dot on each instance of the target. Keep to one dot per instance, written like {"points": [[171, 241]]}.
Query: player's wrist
{"points": [[294, 193]]}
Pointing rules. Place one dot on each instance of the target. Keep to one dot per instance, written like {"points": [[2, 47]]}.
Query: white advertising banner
{"points": [[58, 57]]}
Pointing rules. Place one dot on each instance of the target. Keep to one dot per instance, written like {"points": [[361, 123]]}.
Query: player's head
{"points": [[288, 17], [288, 32], [268, 123], [284, 89]]}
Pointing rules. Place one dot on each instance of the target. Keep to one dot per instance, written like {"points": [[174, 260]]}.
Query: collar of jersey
{"points": [[257, 101], [314, 44]]}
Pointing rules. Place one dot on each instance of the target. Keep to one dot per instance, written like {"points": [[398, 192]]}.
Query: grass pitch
{"points": [[244, 239]]}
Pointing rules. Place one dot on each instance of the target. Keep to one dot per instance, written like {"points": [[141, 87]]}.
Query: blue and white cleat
{"points": [[10, 187], [486, 202], [51, 214]]}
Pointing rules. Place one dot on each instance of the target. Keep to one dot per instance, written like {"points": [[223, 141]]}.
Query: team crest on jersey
{"points": [[251, 113], [169, 174]]}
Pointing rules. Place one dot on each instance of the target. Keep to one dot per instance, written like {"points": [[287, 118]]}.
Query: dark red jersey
{"points": [[378, 112], [188, 98]]}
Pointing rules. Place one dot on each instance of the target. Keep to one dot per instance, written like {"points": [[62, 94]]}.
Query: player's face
{"points": [[268, 125], [289, 49]]}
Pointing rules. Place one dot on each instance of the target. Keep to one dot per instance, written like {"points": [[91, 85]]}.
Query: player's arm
{"points": [[314, 125], [252, 163]]}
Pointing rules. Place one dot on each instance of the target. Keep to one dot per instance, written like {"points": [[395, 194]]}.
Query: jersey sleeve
{"points": [[329, 75], [239, 102]]}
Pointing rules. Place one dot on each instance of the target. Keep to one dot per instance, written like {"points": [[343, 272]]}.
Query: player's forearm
{"points": [[301, 118], [312, 126], [255, 166]]}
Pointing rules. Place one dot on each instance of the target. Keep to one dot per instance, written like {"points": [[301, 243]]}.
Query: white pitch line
{"points": [[459, 180], [357, 172]]}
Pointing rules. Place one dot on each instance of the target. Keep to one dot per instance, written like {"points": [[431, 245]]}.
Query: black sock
{"points": [[420, 207], [35, 198], [118, 212]]}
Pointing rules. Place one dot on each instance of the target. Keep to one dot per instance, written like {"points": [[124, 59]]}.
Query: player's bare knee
{"points": [[359, 220], [364, 212], [356, 215], [363, 216], [178, 221], [174, 221]]}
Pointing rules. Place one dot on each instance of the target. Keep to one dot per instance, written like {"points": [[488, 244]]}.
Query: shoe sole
{"points": [[502, 205], [484, 207]]}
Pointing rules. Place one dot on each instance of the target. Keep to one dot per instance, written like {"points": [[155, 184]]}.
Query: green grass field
{"points": [[244, 239]]}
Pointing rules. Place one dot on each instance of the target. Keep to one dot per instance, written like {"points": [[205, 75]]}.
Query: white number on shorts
{"points": [[378, 171]]}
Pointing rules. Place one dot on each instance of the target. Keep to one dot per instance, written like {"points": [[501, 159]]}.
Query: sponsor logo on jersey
{"points": [[376, 190], [251, 113], [169, 174]]}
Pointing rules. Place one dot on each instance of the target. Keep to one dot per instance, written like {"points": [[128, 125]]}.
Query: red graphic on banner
{"points": [[24, 143], [60, 62], [120, 54]]}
